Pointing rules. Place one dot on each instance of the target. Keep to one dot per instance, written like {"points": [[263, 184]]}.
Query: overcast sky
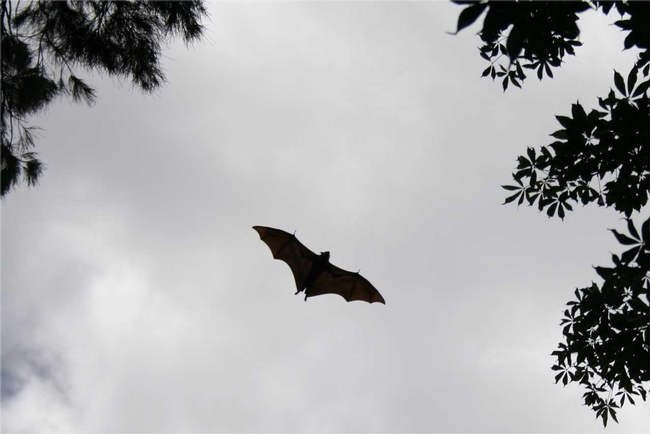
{"points": [[137, 298]]}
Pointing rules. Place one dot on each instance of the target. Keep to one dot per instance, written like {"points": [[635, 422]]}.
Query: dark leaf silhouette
{"points": [[122, 39], [469, 15], [597, 156], [620, 83]]}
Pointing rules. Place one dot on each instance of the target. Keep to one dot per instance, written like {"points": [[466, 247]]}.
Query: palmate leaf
{"points": [[469, 15], [531, 195], [624, 239], [578, 113], [603, 415], [630, 41], [565, 121], [631, 80], [612, 413], [561, 134], [523, 162], [515, 42], [511, 187], [567, 205], [630, 255], [549, 72], [513, 197], [641, 89], [530, 151], [620, 83], [645, 232], [515, 82]]}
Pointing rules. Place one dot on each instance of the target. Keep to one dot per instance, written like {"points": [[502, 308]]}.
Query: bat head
{"points": [[325, 255]]}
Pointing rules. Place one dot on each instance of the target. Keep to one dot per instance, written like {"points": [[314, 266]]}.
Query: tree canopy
{"points": [[44, 43], [599, 155]]}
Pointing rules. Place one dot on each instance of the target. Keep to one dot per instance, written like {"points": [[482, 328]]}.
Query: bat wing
{"points": [[286, 247], [351, 286]]}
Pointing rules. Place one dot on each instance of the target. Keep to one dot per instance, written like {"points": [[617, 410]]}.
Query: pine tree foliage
{"points": [[46, 43], [600, 155]]}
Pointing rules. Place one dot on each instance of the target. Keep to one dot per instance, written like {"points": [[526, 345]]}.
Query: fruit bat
{"points": [[314, 273]]}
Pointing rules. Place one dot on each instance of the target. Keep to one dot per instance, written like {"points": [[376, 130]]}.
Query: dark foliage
{"points": [[606, 330], [598, 156], [44, 43]]}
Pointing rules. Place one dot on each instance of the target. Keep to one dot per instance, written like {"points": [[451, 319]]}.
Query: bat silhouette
{"points": [[313, 273]]}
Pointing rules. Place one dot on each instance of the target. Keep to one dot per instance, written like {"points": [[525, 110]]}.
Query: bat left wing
{"points": [[350, 286], [286, 247]]}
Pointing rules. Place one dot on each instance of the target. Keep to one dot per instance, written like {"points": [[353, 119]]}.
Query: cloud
{"points": [[136, 296]]}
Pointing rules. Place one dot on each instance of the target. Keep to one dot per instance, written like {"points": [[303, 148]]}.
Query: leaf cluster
{"points": [[537, 35], [606, 346], [44, 43], [600, 156]]}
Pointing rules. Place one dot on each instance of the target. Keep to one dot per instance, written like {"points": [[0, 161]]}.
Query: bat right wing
{"points": [[350, 286], [286, 247]]}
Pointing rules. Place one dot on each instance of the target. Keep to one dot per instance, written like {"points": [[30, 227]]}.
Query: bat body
{"points": [[314, 274]]}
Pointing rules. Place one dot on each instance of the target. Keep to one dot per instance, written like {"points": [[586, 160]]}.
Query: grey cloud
{"points": [[367, 129]]}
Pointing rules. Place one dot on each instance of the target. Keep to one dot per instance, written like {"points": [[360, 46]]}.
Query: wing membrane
{"points": [[286, 247], [350, 286]]}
